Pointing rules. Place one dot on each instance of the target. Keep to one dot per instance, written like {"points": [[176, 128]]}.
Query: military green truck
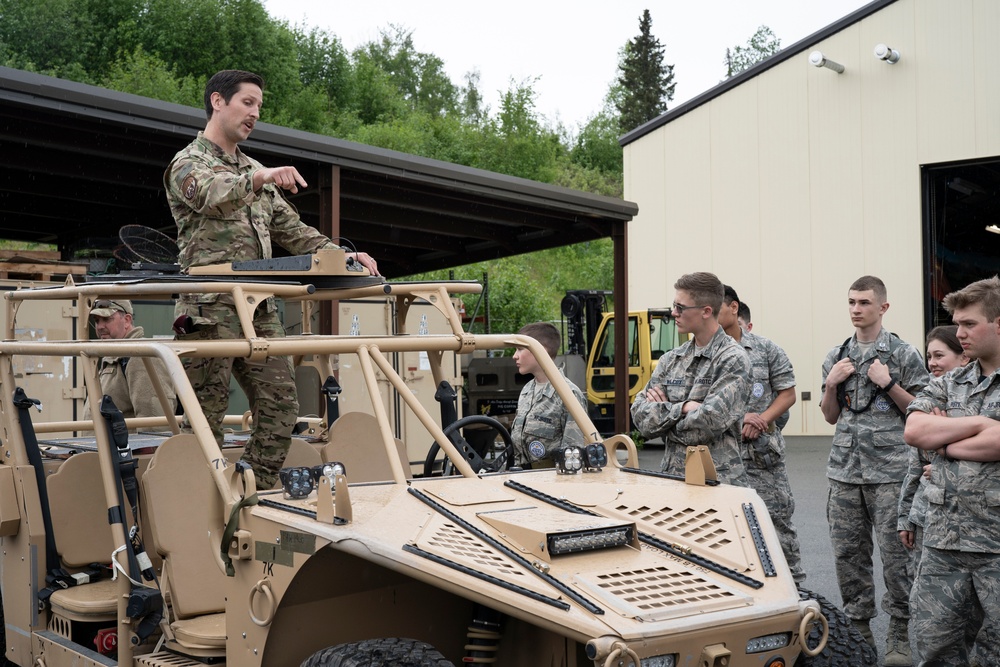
{"points": [[145, 543]]}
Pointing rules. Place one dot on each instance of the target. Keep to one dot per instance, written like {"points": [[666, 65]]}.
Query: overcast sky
{"points": [[571, 47]]}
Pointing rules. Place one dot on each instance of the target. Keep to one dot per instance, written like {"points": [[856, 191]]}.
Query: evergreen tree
{"points": [[763, 44], [646, 83]]}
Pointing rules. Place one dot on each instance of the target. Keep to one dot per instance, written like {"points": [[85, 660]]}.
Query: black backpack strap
{"points": [[844, 401]]}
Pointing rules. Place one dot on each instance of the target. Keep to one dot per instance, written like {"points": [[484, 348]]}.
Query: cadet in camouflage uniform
{"points": [[543, 423], [772, 393], [228, 207], [958, 414], [867, 384], [128, 384], [944, 353], [697, 393]]}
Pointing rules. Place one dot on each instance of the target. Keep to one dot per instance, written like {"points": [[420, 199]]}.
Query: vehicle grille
{"points": [[662, 592]]}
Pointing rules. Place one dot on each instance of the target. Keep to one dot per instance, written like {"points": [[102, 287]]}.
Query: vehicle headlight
{"points": [[296, 483], [659, 661], [768, 642], [330, 471], [595, 456], [568, 460]]}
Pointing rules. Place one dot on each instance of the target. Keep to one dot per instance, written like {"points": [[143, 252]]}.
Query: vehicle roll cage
{"points": [[247, 295]]}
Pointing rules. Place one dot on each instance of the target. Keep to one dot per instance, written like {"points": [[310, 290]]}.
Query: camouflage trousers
{"points": [[269, 385], [855, 512], [955, 595], [773, 488]]}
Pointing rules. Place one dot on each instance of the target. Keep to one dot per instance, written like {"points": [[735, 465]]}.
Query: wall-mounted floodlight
{"points": [[817, 59], [886, 53]]}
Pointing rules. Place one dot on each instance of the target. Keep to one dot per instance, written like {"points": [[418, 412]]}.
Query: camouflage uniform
{"points": [[958, 579], [543, 423], [717, 376], [913, 503], [221, 219], [866, 468], [764, 458], [130, 386]]}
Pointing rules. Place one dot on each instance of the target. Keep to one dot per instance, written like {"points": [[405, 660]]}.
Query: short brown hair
{"points": [[985, 293], [873, 283], [705, 288], [947, 334], [546, 334], [226, 83]]}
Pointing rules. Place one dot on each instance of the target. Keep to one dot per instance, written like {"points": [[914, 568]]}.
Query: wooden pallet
{"points": [[38, 265]]}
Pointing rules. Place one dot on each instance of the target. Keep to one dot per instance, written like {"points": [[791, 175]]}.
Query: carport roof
{"points": [[78, 162]]}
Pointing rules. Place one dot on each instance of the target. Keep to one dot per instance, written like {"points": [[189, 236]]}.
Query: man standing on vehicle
{"points": [[868, 382], [772, 393], [958, 414], [228, 207], [126, 380], [697, 394]]}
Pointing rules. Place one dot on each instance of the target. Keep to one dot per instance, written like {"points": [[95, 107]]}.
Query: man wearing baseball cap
{"points": [[127, 383]]}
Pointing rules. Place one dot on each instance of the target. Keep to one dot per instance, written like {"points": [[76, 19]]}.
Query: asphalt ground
{"points": [[806, 462]]}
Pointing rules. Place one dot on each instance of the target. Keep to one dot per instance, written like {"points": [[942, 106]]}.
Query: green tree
{"points": [[142, 74], [324, 65], [596, 145], [515, 141], [471, 100], [51, 36], [762, 44], [420, 77], [647, 85]]}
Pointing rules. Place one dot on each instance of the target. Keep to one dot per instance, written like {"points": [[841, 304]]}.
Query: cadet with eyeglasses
{"points": [[697, 393]]}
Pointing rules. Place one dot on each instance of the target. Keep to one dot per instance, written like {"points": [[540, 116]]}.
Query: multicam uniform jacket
{"points": [[221, 219], [868, 446], [963, 497], [717, 377], [543, 423]]}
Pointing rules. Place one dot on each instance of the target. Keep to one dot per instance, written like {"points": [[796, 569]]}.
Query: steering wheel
{"points": [[479, 463]]}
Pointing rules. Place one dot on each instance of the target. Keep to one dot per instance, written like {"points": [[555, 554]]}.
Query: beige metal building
{"points": [[791, 180]]}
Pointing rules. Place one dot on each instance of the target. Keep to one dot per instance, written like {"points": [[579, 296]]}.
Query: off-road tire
{"points": [[385, 652], [845, 647]]}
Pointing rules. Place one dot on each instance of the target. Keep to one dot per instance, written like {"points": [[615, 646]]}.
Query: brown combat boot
{"points": [[897, 644], [865, 629]]}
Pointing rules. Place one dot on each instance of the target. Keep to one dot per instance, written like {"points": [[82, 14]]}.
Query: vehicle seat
{"points": [[355, 441], [83, 536], [183, 506]]}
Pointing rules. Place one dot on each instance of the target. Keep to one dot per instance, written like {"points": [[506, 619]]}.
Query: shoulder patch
{"points": [[190, 187]]}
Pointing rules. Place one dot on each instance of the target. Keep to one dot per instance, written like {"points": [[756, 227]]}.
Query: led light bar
{"points": [[659, 661], [768, 642], [590, 540]]}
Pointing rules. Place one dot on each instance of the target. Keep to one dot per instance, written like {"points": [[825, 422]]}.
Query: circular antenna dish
{"points": [[145, 244]]}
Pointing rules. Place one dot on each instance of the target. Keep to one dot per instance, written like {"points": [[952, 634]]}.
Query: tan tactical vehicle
{"points": [[133, 547]]}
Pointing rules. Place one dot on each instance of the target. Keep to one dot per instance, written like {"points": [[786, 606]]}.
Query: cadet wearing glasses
{"points": [[697, 394]]}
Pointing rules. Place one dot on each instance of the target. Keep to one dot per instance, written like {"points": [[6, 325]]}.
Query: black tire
{"points": [[384, 652], [845, 647]]}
